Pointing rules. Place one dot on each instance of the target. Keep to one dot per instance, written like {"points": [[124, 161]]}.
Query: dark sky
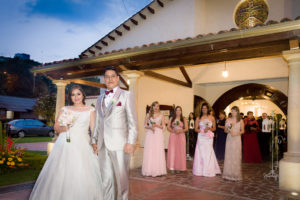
{"points": [[51, 30]]}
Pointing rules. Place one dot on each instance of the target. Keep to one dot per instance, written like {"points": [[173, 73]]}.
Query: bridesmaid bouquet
{"points": [[209, 134], [67, 119]]}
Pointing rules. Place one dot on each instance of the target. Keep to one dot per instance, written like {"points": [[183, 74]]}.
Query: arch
{"points": [[198, 101], [252, 91]]}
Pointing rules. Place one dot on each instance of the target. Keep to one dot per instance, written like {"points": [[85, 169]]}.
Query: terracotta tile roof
{"points": [[166, 42]]}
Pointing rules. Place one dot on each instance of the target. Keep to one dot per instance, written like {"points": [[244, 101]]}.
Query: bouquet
{"points": [[209, 134], [67, 119]]}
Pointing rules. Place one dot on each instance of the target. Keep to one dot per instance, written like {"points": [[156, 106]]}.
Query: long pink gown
{"points": [[177, 149], [205, 162], [154, 161]]}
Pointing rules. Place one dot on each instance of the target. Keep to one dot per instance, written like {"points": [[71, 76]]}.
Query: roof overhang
{"points": [[269, 40]]}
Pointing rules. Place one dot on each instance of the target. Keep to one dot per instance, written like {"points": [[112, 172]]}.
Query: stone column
{"points": [[289, 166], [60, 97], [133, 76]]}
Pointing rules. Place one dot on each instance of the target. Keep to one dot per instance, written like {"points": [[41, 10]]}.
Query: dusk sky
{"points": [[51, 30]]}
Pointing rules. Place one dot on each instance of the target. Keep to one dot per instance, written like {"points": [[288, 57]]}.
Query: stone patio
{"points": [[185, 186]]}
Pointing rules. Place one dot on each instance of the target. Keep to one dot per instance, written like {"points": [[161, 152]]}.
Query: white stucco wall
{"points": [[188, 18], [150, 90], [173, 21]]}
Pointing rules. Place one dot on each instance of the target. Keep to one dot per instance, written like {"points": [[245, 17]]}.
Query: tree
{"points": [[45, 107]]}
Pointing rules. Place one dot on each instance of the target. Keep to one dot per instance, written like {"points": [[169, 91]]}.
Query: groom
{"points": [[114, 136]]}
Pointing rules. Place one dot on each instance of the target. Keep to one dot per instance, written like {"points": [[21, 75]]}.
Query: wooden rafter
{"points": [[119, 33], [294, 44], [111, 37], [98, 47], [166, 78], [134, 21], [91, 51], [126, 27], [151, 10], [185, 74], [89, 83], [104, 43], [124, 82], [142, 15], [160, 3]]}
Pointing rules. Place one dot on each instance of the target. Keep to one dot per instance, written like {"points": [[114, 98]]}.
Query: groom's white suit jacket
{"points": [[115, 124]]}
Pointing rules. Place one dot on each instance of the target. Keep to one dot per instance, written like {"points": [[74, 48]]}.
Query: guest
{"points": [[282, 133], [177, 146], [242, 115], [251, 151], [233, 153], [264, 136], [282, 126], [154, 161], [205, 162], [191, 139], [220, 136]]}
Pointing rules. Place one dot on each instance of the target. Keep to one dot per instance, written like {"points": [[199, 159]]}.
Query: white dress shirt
{"points": [[109, 97], [266, 126]]}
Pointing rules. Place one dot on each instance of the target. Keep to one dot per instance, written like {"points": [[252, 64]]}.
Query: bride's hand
{"points": [[95, 148]]}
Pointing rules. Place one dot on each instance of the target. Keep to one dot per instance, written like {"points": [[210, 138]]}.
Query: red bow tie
{"points": [[108, 91]]}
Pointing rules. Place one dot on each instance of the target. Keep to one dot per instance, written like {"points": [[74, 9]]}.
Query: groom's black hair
{"points": [[111, 68]]}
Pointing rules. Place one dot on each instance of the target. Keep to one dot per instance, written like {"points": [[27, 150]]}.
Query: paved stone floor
{"points": [[185, 186]]}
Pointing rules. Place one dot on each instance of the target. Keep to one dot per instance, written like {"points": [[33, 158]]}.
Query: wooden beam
{"points": [[126, 27], [185, 74], [294, 44], [98, 47], [151, 10], [166, 78], [89, 83], [111, 37], [142, 15], [91, 51], [124, 82], [104, 43], [160, 3], [123, 67], [134, 21], [118, 32], [211, 57]]}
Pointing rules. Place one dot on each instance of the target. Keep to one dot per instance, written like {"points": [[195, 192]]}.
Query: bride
{"points": [[71, 170]]}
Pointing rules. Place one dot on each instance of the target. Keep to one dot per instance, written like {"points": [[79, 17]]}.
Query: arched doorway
{"points": [[198, 101], [252, 91]]}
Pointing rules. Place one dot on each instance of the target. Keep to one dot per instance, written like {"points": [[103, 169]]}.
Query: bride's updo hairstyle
{"points": [[78, 87]]}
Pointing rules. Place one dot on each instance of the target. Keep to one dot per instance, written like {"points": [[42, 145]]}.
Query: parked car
{"points": [[29, 127]]}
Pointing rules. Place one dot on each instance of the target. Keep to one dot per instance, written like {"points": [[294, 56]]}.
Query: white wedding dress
{"points": [[71, 171]]}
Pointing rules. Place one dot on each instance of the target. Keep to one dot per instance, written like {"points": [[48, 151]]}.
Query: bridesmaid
{"points": [[251, 150], [177, 144], [233, 153], [205, 162], [154, 161], [220, 136]]}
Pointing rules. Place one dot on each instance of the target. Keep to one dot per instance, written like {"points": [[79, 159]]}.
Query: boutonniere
{"points": [[119, 104]]}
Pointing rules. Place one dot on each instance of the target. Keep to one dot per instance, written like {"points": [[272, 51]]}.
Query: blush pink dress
{"points": [[154, 160], [177, 149], [205, 162]]}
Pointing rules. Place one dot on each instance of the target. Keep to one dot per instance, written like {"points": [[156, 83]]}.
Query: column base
{"points": [[136, 160], [289, 172]]}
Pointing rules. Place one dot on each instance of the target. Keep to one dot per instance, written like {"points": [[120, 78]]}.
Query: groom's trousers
{"points": [[114, 167]]}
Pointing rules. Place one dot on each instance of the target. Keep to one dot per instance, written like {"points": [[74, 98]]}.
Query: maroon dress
{"points": [[251, 151]]}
